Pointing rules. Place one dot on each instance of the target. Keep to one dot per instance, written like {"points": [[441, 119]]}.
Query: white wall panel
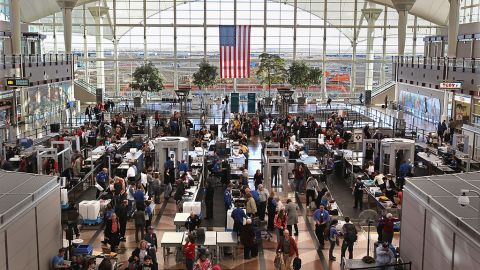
{"points": [[467, 257], [438, 244], [411, 243], [49, 228], [3, 258], [21, 240]]}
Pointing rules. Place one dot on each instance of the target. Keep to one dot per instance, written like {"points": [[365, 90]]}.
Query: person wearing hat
{"points": [[357, 189], [151, 237]]}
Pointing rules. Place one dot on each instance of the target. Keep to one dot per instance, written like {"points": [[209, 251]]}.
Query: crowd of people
{"points": [[134, 197]]}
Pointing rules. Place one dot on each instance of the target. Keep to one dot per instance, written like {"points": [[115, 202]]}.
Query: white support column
{"points": [[175, 70], [98, 12], [294, 30], [453, 20], [415, 26], [115, 51], [402, 7], [16, 27], [54, 29], [402, 31], [67, 7], [384, 46], [371, 15], [145, 49], [353, 76], [205, 29], [324, 49], [265, 26], [85, 45]]}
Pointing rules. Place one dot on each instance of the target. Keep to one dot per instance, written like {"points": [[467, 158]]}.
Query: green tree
{"points": [[271, 70], [147, 78], [206, 75], [300, 75]]}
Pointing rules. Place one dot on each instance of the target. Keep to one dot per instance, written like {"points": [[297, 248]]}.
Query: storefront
{"points": [[462, 106], [6, 107], [476, 111]]}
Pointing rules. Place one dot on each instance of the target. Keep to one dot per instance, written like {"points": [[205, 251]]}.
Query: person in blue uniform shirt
{"points": [[227, 200], [183, 166]]}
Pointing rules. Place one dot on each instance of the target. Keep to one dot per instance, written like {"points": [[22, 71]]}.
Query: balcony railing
{"points": [[15, 61], [454, 64]]}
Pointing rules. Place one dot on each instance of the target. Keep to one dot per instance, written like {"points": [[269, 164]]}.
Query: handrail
{"points": [[379, 89], [454, 63], [405, 266]]}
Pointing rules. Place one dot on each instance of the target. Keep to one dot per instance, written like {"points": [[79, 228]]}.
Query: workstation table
{"points": [[307, 160], [226, 239], [382, 206], [434, 162], [172, 240], [210, 242], [179, 220]]}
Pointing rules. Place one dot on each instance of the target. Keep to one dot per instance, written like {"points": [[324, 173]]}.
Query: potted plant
{"points": [[271, 70], [146, 78], [302, 76]]}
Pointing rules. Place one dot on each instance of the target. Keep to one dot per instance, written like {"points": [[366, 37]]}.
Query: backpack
{"points": [[351, 233], [297, 263]]}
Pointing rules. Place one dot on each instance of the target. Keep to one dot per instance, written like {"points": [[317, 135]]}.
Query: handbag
{"points": [[313, 205], [278, 261]]}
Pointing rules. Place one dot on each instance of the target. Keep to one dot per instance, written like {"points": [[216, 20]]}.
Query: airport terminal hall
{"points": [[240, 134]]}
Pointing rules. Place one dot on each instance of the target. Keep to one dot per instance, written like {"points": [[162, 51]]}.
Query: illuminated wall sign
{"points": [[451, 85], [13, 82]]}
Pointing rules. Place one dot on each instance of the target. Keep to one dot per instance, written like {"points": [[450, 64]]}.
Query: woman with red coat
{"points": [[280, 223], [189, 252]]}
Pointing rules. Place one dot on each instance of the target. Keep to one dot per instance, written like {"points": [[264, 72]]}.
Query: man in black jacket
{"points": [[122, 214], [151, 238], [247, 237]]}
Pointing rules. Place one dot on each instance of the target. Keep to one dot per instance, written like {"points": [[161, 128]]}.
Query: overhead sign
{"points": [[16, 82], [357, 135], [451, 85]]}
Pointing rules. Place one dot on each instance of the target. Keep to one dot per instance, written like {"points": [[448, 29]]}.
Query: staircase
{"points": [[385, 90], [382, 88], [85, 92]]}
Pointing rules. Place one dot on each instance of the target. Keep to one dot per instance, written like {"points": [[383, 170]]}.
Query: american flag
{"points": [[234, 51]]}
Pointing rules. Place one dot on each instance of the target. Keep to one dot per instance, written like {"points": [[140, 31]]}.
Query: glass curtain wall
{"points": [[177, 35]]}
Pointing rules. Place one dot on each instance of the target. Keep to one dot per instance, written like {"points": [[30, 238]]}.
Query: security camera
{"points": [[463, 200]]}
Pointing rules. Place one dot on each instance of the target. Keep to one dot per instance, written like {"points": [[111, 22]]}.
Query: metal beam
{"points": [[175, 74], [353, 75], [294, 30]]}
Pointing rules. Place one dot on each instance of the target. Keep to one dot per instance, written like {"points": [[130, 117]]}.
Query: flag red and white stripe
{"points": [[235, 51]]}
